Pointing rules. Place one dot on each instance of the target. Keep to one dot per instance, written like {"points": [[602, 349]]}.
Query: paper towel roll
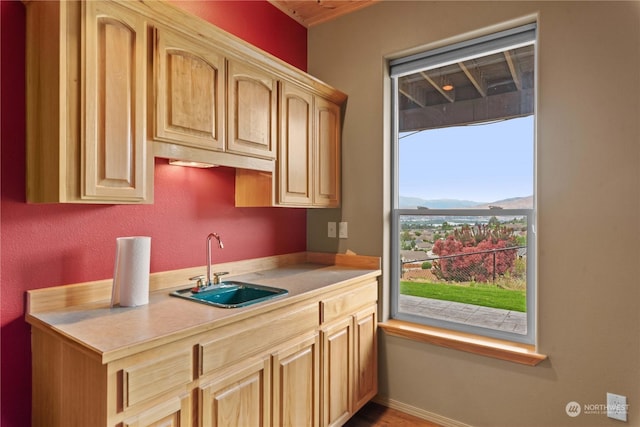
{"points": [[131, 272]]}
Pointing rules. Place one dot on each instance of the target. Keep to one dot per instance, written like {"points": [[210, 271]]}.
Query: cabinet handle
{"points": [[199, 355]]}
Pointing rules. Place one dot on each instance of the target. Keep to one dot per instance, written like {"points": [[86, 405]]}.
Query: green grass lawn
{"points": [[475, 293]]}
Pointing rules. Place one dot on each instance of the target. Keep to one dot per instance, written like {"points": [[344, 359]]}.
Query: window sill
{"points": [[490, 347]]}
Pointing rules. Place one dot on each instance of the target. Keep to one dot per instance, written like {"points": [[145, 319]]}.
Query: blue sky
{"points": [[483, 163]]}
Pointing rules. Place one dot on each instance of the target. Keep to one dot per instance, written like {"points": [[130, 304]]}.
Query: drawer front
{"points": [[234, 344], [346, 304], [143, 381]]}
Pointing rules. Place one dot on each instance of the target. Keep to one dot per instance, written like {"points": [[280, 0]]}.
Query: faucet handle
{"points": [[216, 277], [200, 282]]}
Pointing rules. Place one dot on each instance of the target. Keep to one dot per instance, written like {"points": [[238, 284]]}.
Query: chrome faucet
{"points": [[216, 279]]}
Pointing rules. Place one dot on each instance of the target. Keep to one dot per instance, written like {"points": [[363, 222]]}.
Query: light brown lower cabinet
{"points": [[349, 365], [243, 396], [238, 397], [337, 372], [310, 363], [296, 383], [365, 355]]}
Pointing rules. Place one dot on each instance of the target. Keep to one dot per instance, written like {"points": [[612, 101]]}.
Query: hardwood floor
{"points": [[375, 415]]}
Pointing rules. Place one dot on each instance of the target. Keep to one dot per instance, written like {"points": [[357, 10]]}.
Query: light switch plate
{"points": [[617, 407], [331, 229], [342, 230]]}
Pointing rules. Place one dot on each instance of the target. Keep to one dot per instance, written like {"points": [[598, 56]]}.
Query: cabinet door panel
{"points": [[190, 92], [193, 83], [296, 384], [116, 157], [251, 111], [295, 150], [337, 375], [326, 190], [240, 397], [366, 356]]}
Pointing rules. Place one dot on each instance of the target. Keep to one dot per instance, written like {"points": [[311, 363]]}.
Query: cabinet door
{"points": [[174, 413], [365, 356], [337, 372], [117, 162], [238, 397], [251, 111], [326, 155], [189, 91], [295, 149], [296, 392]]}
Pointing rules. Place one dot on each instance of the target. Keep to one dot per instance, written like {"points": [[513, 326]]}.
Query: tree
{"points": [[475, 254], [407, 242]]}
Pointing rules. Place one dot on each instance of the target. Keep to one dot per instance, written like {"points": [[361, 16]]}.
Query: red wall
{"points": [[49, 245]]}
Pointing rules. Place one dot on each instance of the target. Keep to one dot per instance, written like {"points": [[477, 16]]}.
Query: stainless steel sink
{"points": [[230, 294]]}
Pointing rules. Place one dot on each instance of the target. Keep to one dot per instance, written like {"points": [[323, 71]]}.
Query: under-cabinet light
{"points": [[191, 164]]}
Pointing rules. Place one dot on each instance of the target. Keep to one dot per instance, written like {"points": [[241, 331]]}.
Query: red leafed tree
{"points": [[471, 254]]}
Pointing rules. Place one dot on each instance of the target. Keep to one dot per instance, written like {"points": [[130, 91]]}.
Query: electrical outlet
{"points": [[617, 407], [331, 229], [342, 230]]}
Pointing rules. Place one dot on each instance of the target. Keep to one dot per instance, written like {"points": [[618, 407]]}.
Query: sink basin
{"points": [[231, 294]]}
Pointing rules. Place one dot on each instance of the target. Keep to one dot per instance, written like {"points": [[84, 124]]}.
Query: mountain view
{"points": [[511, 203]]}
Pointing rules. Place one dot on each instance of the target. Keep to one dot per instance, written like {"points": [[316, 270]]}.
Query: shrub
{"points": [[426, 265], [477, 247]]}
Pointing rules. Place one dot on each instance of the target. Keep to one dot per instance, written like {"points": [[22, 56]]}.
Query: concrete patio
{"points": [[494, 318]]}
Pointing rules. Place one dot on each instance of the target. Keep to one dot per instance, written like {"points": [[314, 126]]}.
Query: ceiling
{"points": [[314, 12], [492, 87]]}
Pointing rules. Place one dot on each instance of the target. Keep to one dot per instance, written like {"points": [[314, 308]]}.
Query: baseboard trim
{"points": [[417, 412]]}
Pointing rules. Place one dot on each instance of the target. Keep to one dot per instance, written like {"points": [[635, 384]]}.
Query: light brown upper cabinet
{"points": [[113, 84], [308, 165], [295, 159], [326, 149], [189, 79], [86, 117], [252, 111]]}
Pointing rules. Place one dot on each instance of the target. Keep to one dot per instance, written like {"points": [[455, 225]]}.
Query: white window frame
{"points": [[496, 42]]}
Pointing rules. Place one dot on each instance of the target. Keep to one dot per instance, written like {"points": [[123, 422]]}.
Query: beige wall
{"points": [[588, 188]]}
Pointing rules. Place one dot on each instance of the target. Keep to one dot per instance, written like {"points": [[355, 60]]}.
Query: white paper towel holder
{"points": [[131, 271]]}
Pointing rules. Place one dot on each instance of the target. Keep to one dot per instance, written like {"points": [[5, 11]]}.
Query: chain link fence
{"points": [[503, 266]]}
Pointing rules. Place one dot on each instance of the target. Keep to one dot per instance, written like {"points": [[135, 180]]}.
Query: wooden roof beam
{"points": [[411, 97], [449, 96], [475, 77], [514, 69]]}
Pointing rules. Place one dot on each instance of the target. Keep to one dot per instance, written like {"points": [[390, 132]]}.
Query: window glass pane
{"points": [[466, 269], [464, 175], [474, 166]]}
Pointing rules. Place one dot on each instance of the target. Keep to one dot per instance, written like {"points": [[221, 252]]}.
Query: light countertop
{"points": [[106, 330]]}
